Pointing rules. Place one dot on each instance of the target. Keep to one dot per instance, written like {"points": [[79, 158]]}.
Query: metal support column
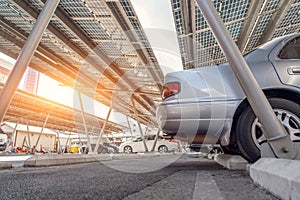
{"points": [[139, 124], [274, 131], [67, 149], [25, 56], [79, 138], [58, 143], [155, 141], [80, 143], [28, 137], [10, 144], [102, 130], [14, 133], [147, 126], [44, 125], [84, 122], [129, 127]]}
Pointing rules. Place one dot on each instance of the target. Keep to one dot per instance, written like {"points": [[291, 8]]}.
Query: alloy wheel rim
{"points": [[163, 149], [290, 121], [127, 149]]}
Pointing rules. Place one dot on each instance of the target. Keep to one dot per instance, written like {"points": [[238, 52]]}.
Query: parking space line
{"points": [[206, 188]]}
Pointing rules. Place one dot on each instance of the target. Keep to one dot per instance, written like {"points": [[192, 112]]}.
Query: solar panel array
{"points": [[247, 28], [98, 47]]}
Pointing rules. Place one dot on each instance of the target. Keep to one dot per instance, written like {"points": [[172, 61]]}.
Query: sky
{"points": [[157, 21], [152, 17]]}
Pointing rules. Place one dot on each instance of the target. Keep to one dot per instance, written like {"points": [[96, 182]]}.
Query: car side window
{"points": [[151, 137], [291, 50], [137, 139]]}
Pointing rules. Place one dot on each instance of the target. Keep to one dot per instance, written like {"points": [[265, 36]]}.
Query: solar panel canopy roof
{"points": [[250, 23], [97, 47]]}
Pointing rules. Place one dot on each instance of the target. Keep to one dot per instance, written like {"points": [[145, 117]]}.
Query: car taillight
{"points": [[172, 140], [170, 89]]}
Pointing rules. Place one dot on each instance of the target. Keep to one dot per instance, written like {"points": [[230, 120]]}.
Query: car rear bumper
{"points": [[173, 147], [206, 121]]}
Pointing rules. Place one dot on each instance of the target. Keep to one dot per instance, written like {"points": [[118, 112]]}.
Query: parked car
{"points": [[3, 141], [137, 145], [208, 106], [103, 148]]}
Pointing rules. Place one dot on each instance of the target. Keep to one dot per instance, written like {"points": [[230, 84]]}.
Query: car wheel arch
{"points": [[163, 147], [128, 147], [270, 93]]}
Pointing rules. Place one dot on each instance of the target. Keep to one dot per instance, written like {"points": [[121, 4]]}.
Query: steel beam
{"points": [[28, 136], [155, 141], [253, 15], [139, 124], [84, 122], [274, 131], [12, 139], [58, 143], [102, 130], [129, 127], [276, 18], [25, 56], [14, 134], [44, 125], [68, 149], [79, 137], [189, 25]]}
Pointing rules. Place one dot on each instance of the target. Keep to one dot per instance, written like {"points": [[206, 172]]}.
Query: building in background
{"points": [[31, 80]]}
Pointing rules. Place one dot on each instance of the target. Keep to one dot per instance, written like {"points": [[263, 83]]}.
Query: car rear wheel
{"points": [[127, 149], [249, 130], [163, 149], [231, 149]]}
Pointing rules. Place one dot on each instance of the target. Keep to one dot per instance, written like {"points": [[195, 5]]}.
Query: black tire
{"points": [[163, 149], [247, 129], [127, 149], [231, 149]]}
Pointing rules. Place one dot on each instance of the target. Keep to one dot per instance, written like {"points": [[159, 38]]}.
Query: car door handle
{"points": [[294, 70]]}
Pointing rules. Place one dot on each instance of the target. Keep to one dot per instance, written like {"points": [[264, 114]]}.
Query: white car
{"points": [[162, 145], [3, 142]]}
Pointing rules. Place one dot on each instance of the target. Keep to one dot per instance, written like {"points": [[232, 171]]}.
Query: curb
{"points": [[5, 165], [231, 162], [66, 159], [279, 176], [62, 159]]}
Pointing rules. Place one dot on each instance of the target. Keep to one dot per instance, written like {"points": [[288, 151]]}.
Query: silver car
{"points": [[207, 106]]}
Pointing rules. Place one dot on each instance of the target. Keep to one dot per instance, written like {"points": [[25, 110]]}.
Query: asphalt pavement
{"points": [[187, 177]]}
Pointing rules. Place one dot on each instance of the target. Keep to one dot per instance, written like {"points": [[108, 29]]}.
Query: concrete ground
{"points": [[176, 178]]}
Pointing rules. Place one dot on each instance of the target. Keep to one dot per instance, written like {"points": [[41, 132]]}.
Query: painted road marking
{"points": [[206, 188]]}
